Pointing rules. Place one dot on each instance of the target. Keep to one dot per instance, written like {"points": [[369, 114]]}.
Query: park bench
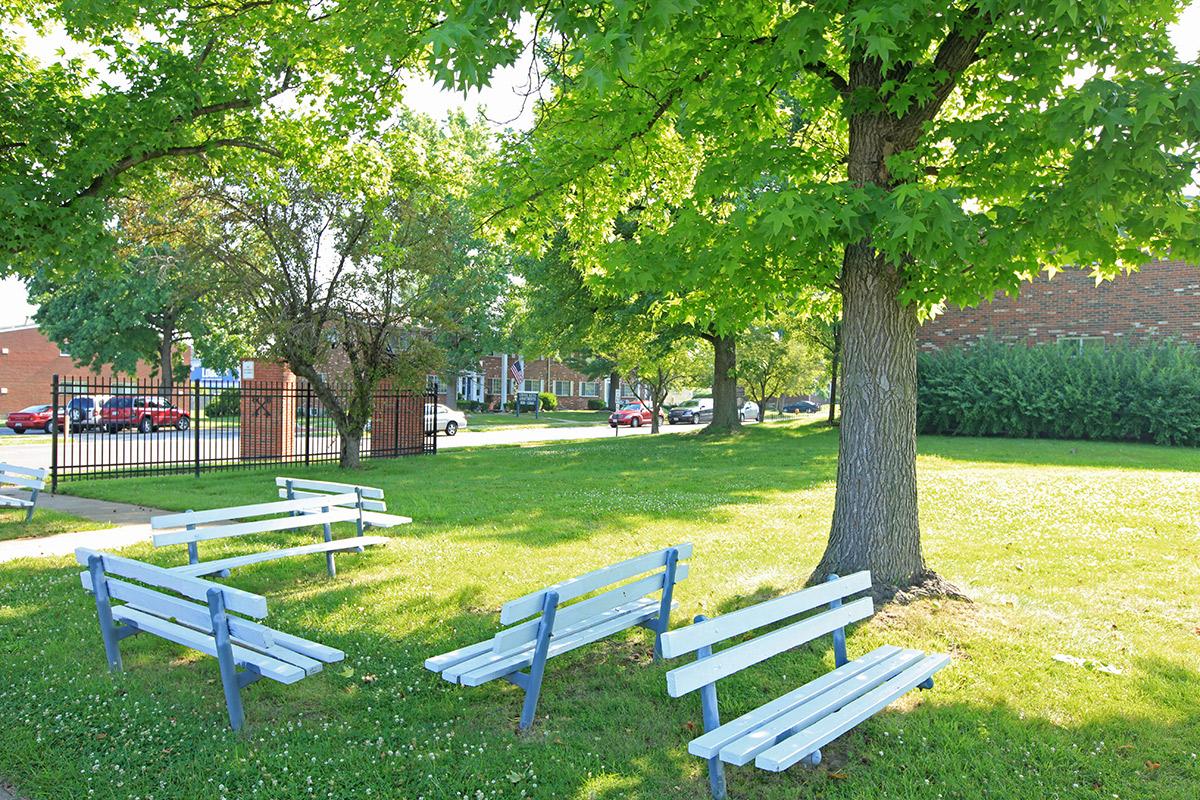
{"points": [[370, 499], [286, 515], [794, 727], [560, 627], [210, 626], [22, 478]]}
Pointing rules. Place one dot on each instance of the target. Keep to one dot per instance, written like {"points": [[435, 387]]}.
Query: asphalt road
{"points": [[33, 449]]}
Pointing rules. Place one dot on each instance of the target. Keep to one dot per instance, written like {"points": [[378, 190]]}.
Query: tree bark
{"points": [[725, 411], [348, 457], [875, 505], [452, 390], [166, 377], [614, 390]]}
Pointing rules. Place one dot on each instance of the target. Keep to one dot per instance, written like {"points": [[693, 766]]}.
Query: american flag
{"points": [[517, 369]]}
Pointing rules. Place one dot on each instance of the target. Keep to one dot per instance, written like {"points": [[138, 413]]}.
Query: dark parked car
{"points": [[802, 407], [84, 412], [691, 412], [147, 414]]}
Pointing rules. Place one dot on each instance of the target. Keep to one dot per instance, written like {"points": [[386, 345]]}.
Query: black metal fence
{"points": [[110, 427]]}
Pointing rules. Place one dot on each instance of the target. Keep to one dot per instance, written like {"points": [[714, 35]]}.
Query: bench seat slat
{"points": [[744, 750], [370, 492], [710, 743], [221, 564], [735, 623], [447, 660], [310, 666], [189, 637], [489, 655], [567, 616], [794, 748], [237, 600], [367, 505], [271, 525], [23, 482], [699, 673], [530, 604], [593, 633], [185, 611], [19, 502], [375, 519], [26, 472], [253, 510]]}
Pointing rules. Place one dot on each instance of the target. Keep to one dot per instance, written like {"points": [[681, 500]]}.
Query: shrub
{"points": [[1143, 393], [228, 403], [596, 404], [548, 401]]}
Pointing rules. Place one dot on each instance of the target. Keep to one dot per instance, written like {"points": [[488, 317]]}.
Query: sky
{"points": [[500, 102]]}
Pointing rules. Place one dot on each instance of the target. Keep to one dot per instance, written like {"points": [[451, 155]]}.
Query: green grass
{"points": [[481, 421], [44, 523], [1087, 550]]}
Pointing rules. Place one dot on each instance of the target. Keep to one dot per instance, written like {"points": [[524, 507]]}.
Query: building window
{"points": [[589, 389], [562, 388], [532, 385], [1082, 343], [493, 386]]}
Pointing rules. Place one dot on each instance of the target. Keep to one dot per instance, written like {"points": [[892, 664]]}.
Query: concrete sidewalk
{"points": [[132, 525]]}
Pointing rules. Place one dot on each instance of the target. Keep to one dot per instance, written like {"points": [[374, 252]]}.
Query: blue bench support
{"points": [[560, 625], [246, 651], [792, 728]]}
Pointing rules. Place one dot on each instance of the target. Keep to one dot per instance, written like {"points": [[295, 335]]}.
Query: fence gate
{"points": [[109, 427]]}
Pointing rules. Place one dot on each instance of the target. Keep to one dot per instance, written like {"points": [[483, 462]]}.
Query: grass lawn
{"points": [[1082, 549], [481, 421], [44, 523]]}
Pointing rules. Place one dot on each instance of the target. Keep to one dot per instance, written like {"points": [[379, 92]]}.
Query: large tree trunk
{"points": [[725, 410], [875, 507]]}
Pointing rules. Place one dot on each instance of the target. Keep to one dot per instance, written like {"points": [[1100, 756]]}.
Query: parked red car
{"points": [[632, 414], [34, 418], [147, 414]]}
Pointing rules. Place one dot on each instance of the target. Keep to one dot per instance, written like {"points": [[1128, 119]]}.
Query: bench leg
{"points": [[33, 496], [926, 684], [230, 680], [664, 609], [712, 720], [330, 566], [533, 689], [108, 628]]}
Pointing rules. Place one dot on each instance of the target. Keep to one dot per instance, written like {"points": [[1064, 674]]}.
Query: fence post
{"points": [[307, 420], [196, 423], [54, 434]]}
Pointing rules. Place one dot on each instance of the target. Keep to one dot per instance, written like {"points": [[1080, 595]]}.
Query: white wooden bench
{"points": [[323, 510], [370, 499], [22, 478], [211, 626], [794, 727], [560, 628]]}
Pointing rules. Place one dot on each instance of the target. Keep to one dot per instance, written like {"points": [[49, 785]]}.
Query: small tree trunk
{"points": [[655, 406], [348, 458], [452, 390], [725, 411], [614, 390], [875, 505], [166, 376]]}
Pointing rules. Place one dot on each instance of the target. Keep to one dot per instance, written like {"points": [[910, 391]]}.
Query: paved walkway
{"points": [[132, 525]]}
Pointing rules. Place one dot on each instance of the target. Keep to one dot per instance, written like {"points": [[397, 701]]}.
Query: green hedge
{"points": [[1145, 393], [226, 404]]}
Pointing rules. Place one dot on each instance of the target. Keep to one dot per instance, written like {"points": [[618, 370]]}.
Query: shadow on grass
{"points": [[1058, 452]]}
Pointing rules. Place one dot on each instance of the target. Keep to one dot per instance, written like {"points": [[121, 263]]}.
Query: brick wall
{"points": [[268, 418], [28, 362], [1162, 300]]}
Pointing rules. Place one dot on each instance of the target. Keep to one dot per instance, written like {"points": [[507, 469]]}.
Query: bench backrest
{"points": [[292, 488], [276, 516], [665, 568], [31, 478], [733, 659], [116, 568]]}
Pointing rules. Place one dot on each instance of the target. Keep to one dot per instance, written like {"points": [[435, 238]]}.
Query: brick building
{"points": [[28, 362], [1161, 300]]}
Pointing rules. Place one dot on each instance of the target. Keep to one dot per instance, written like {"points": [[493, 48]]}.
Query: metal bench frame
{"points": [[560, 627], [793, 727]]}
